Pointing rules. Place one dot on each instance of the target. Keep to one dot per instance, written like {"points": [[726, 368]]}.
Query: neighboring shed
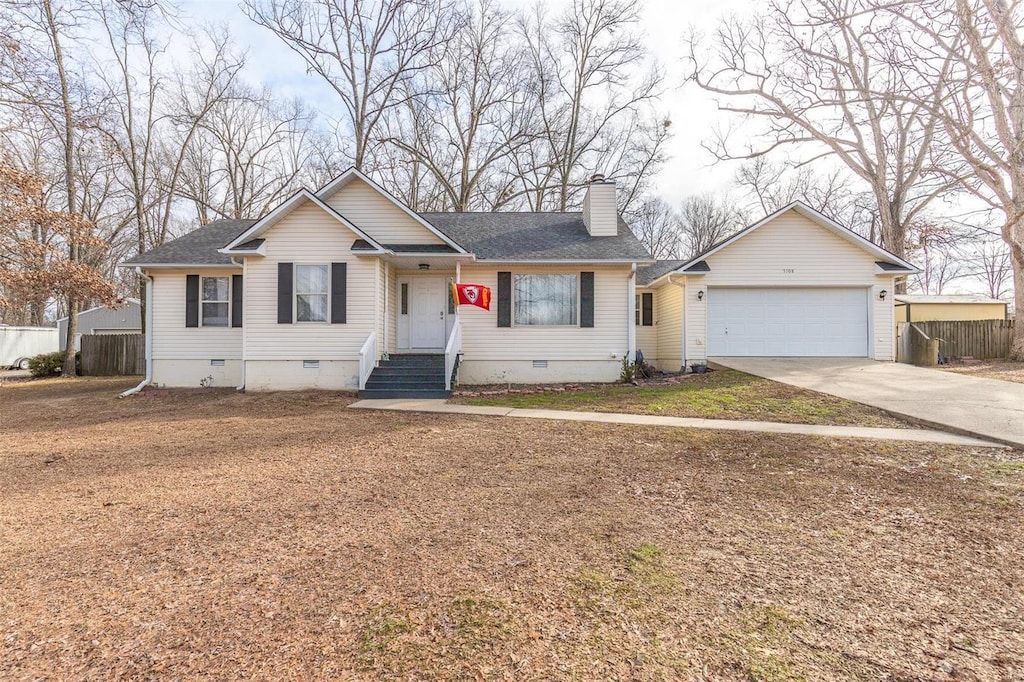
{"points": [[126, 319], [926, 308]]}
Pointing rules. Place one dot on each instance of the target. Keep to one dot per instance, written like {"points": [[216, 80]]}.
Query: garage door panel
{"points": [[787, 322]]}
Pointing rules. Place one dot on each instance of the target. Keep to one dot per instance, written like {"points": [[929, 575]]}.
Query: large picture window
{"points": [[215, 301], [311, 293], [545, 299]]}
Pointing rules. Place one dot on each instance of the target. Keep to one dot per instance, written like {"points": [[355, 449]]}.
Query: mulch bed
{"points": [[281, 536]]}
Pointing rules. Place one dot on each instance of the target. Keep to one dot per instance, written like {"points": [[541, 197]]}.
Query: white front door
{"points": [[427, 313]]}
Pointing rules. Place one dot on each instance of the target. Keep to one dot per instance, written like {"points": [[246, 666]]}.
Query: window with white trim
{"points": [[216, 301], [312, 287], [550, 299]]}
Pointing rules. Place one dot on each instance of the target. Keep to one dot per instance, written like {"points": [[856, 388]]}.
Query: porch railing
{"points": [[451, 353], [367, 359]]}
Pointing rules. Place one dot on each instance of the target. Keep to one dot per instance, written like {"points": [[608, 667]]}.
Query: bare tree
{"points": [[367, 52], [594, 102], [38, 74], [992, 259], [983, 110], [152, 119], [707, 220], [934, 245], [658, 227], [469, 113], [772, 185], [821, 75], [250, 153]]}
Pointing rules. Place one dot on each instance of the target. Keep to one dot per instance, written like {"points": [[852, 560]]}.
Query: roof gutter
{"points": [[149, 336]]}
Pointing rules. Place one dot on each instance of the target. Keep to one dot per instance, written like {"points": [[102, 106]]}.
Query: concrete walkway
{"points": [[985, 408], [442, 407]]}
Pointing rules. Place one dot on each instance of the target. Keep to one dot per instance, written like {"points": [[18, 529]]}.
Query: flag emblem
{"points": [[472, 294]]}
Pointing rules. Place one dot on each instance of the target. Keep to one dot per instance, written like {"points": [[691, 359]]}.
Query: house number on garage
{"points": [[788, 271]]}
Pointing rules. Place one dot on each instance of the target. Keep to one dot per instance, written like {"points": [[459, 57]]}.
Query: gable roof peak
{"points": [[328, 190]]}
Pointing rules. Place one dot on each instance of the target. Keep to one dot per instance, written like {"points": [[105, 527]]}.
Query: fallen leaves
{"points": [[281, 536]]}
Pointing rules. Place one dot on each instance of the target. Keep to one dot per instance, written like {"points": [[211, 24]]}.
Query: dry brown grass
{"points": [[280, 536], [992, 369]]}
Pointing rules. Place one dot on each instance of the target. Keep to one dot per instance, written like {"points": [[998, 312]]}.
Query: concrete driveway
{"points": [[985, 408]]}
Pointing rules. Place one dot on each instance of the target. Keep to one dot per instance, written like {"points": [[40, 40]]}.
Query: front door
{"points": [[428, 310]]}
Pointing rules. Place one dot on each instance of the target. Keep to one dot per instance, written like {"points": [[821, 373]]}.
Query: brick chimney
{"points": [[599, 212]]}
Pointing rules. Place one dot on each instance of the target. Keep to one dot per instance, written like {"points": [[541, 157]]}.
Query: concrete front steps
{"points": [[407, 375]]}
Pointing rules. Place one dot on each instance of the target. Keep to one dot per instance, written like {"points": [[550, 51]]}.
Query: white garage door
{"points": [[787, 322]]}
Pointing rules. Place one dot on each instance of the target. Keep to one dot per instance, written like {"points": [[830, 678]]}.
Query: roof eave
{"points": [[179, 265]]}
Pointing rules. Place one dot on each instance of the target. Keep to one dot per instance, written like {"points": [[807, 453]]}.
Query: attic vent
{"points": [[216, 363], [310, 364], [540, 363]]}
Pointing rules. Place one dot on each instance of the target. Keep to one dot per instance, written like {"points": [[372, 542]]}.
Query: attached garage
{"points": [[787, 322], [795, 284]]}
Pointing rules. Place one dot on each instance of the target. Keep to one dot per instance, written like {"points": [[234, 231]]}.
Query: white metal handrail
{"points": [[451, 353], [367, 359]]}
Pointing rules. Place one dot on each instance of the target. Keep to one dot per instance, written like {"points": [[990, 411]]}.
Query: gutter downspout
{"points": [[682, 350], [245, 278], [149, 336], [631, 322]]}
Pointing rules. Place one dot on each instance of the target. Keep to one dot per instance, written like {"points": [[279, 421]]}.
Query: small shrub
{"points": [[46, 364], [627, 374]]}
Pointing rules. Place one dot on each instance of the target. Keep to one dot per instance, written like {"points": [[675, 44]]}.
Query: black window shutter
{"points": [[284, 293], [339, 292], [191, 300], [236, 300], [504, 299], [647, 317], [586, 299]]}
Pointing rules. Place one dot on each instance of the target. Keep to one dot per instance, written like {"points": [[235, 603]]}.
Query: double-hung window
{"points": [[545, 299], [216, 299], [311, 293]]}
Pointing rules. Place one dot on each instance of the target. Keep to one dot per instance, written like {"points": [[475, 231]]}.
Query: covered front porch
{"points": [[415, 350]]}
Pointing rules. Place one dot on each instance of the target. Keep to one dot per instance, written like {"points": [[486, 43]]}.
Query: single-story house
{"points": [[348, 288], [926, 308], [122, 319]]}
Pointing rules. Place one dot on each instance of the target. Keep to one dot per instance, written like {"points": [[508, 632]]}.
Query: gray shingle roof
{"points": [[535, 236], [648, 273], [198, 247], [491, 236]]}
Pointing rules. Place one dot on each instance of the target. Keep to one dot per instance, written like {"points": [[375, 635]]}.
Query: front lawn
{"points": [[281, 536], [719, 394]]}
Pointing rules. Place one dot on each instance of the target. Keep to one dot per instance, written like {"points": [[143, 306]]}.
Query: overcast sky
{"points": [[665, 22]]}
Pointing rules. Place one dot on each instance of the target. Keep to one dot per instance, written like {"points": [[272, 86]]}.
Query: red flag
{"points": [[472, 294]]}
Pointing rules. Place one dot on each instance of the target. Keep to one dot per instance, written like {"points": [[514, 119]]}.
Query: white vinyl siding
{"points": [[378, 217], [791, 251], [482, 339], [647, 337], [668, 317], [172, 340], [307, 236]]}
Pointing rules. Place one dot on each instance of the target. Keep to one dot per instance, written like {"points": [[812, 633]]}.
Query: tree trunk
{"points": [[1017, 262]]}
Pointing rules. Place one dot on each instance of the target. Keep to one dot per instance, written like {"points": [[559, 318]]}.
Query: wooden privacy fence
{"points": [[980, 339], [113, 354]]}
